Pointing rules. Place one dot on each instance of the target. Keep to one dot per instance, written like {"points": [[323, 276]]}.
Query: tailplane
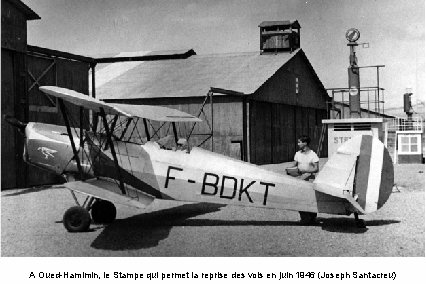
{"points": [[361, 171]]}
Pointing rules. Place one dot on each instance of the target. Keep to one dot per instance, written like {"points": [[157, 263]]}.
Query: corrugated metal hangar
{"points": [[262, 101]]}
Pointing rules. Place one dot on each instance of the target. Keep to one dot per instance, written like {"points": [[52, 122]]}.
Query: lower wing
{"points": [[108, 190]]}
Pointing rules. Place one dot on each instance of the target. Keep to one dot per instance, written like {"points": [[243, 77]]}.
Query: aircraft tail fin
{"points": [[361, 171]]}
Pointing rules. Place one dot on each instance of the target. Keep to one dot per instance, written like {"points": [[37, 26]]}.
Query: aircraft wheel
{"points": [[76, 219], [103, 211], [307, 217]]}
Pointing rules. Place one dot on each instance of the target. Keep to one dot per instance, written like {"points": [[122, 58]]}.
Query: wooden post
{"points": [[244, 142]]}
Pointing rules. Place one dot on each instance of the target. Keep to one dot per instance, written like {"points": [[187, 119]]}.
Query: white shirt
{"points": [[306, 160]]}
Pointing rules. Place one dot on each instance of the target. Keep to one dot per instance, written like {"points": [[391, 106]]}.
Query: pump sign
{"points": [[352, 35]]}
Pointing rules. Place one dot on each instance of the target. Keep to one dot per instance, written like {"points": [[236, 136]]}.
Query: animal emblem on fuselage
{"points": [[47, 152]]}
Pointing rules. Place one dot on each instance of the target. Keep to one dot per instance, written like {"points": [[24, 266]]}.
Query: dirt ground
{"points": [[31, 226]]}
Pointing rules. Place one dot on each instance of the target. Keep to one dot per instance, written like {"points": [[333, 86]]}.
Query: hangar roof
{"points": [[242, 73]]}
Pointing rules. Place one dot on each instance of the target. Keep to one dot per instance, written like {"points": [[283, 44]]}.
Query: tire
{"points": [[103, 211], [307, 217], [76, 219]]}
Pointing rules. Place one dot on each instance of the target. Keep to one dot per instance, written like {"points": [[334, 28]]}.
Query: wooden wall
{"points": [[274, 129], [12, 103], [17, 99], [13, 27], [281, 88], [280, 112], [63, 73], [13, 47]]}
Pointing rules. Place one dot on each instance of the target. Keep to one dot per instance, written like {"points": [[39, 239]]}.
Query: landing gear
{"points": [[77, 219], [307, 218], [103, 211], [360, 223]]}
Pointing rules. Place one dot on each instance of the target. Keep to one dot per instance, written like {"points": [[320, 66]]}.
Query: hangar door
{"points": [[274, 129], [22, 74], [52, 71]]}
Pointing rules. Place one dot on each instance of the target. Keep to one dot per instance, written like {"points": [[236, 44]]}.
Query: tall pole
{"points": [[352, 35], [354, 83]]}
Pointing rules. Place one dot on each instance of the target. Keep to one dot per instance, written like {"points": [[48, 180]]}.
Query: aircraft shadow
{"points": [[148, 229], [347, 224], [28, 190]]}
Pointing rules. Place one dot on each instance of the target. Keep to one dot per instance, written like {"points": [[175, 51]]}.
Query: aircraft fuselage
{"points": [[197, 176]]}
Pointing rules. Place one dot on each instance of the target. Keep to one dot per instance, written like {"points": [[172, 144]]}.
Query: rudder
{"points": [[360, 171]]}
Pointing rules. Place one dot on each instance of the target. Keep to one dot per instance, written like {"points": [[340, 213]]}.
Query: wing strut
{"points": [[74, 149], [148, 137], [81, 127], [114, 155], [129, 120], [114, 122], [175, 132]]}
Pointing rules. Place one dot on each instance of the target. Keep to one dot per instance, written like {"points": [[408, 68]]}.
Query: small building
{"points": [[262, 101], [408, 132]]}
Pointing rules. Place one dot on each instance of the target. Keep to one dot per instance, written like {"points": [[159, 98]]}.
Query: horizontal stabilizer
{"points": [[337, 176], [355, 206], [110, 191]]}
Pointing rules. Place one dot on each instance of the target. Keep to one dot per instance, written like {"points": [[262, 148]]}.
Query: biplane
{"points": [[99, 162]]}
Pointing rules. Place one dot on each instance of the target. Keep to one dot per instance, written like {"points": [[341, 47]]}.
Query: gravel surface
{"points": [[31, 225]]}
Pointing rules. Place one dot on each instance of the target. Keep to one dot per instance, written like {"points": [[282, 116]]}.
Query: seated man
{"points": [[306, 160], [307, 163]]}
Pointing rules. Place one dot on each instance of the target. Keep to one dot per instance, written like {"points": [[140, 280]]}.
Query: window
{"points": [[409, 144], [297, 85]]}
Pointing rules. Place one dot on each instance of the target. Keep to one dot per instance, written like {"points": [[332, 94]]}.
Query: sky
{"points": [[394, 29]]}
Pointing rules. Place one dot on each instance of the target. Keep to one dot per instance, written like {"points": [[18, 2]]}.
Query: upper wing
{"points": [[82, 100], [157, 113]]}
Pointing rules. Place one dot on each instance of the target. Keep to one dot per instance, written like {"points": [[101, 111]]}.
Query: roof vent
{"points": [[279, 36], [342, 127]]}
